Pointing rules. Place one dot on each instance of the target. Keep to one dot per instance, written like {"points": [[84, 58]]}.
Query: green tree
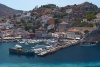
{"points": [[56, 21], [39, 15], [27, 28], [91, 15], [78, 19], [86, 31], [60, 15], [22, 21], [52, 30], [30, 21], [81, 24]]}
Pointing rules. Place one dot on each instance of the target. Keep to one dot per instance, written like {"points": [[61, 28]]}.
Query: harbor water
{"points": [[74, 56]]}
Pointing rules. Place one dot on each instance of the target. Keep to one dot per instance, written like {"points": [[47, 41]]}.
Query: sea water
{"points": [[74, 56]]}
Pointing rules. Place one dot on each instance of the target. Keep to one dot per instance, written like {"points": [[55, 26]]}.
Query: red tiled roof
{"points": [[74, 30], [63, 23]]}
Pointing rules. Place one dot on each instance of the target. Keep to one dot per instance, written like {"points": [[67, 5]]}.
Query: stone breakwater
{"points": [[58, 47]]}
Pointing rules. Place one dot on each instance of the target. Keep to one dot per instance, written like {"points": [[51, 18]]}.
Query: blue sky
{"points": [[30, 4]]}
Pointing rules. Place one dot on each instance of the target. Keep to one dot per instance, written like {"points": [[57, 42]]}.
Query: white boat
{"points": [[18, 46], [38, 50], [26, 43], [21, 42]]}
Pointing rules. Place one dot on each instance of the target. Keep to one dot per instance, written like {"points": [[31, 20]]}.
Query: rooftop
{"points": [[63, 23], [73, 30]]}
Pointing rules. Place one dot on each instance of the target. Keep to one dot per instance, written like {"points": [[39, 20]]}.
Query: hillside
{"points": [[6, 11], [78, 10]]}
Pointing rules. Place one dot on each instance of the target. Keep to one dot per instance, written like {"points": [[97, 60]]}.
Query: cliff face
{"points": [[6, 11], [93, 36]]}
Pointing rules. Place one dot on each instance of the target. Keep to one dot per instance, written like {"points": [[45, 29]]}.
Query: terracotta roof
{"points": [[74, 30], [31, 33], [63, 23]]}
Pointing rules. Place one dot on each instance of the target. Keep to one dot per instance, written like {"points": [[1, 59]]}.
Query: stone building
{"points": [[63, 27]]}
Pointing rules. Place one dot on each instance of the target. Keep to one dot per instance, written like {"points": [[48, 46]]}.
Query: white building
{"points": [[97, 20], [74, 35]]}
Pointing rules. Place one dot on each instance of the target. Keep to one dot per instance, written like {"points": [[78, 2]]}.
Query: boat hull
{"points": [[14, 51]]}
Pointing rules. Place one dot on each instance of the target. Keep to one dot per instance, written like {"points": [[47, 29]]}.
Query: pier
{"points": [[63, 45]]}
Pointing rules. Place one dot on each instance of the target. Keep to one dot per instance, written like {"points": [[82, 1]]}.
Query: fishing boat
{"points": [[18, 50]]}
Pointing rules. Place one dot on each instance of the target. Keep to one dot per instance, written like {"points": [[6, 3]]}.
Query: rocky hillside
{"points": [[83, 7], [6, 11], [78, 10], [86, 6], [93, 36]]}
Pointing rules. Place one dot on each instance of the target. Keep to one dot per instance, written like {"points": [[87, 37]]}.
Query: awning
{"points": [[18, 37], [78, 38], [7, 38]]}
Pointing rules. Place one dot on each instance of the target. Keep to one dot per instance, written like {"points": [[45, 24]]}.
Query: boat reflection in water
{"points": [[18, 50]]}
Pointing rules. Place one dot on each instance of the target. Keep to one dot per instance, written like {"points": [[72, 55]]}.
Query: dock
{"points": [[59, 47]]}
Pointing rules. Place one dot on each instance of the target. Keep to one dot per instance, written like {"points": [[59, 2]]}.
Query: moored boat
{"points": [[88, 44], [18, 50]]}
